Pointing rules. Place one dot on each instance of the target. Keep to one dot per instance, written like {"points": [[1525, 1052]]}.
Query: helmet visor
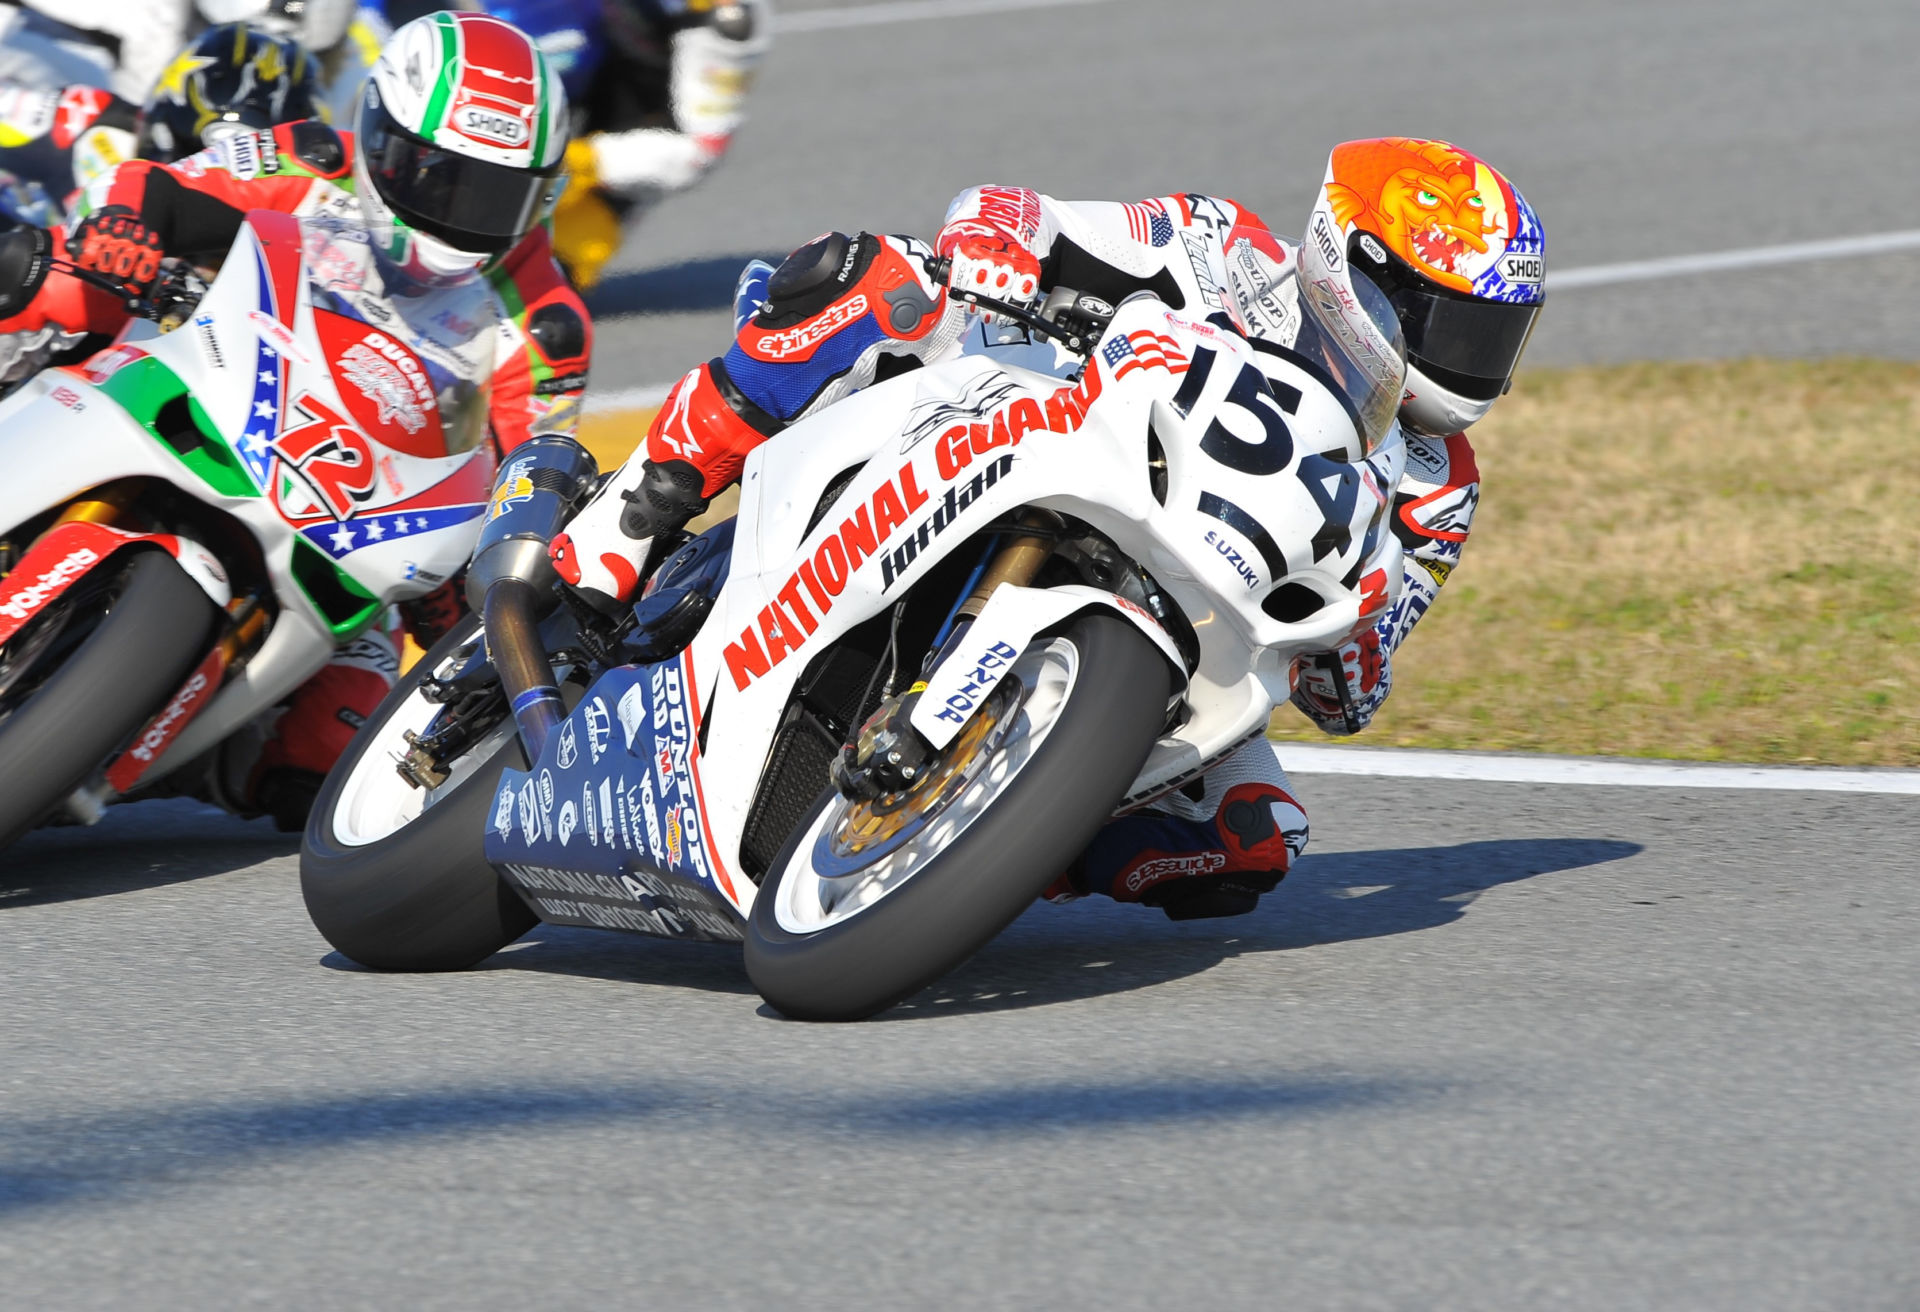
{"points": [[1464, 343], [471, 204], [1368, 369]]}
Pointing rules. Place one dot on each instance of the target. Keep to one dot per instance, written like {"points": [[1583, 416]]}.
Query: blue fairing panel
{"points": [[607, 828]]}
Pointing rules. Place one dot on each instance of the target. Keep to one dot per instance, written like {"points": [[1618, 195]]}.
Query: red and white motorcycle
{"points": [[194, 520], [961, 619]]}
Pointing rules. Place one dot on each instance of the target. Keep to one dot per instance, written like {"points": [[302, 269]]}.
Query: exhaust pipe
{"points": [[511, 582]]}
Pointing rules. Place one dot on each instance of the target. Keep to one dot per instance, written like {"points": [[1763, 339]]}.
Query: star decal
{"points": [[400, 525], [342, 539], [374, 531], [268, 377], [256, 442], [419, 522], [173, 83], [263, 409]]}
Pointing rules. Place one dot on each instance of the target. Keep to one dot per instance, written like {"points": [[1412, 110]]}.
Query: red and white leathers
{"points": [[844, 310], [194, 208]]}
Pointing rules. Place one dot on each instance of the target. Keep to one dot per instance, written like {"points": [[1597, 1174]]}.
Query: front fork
{"points": [[890, 756]]}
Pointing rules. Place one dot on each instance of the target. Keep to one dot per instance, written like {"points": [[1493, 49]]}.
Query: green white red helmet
{"points": [[460, 136]]}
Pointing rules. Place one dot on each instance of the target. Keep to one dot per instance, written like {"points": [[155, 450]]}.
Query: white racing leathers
{"points": [[120, 44], [710, 75], [825, 327]]}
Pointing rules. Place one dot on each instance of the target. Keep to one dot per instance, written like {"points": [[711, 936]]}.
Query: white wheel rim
{"points": [[809, 901], [375, 802]]}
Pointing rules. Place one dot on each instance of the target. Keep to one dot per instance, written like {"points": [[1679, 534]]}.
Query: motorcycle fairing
{"points": [[608, 828], [67, 553], [1005, 438], [68, 431]]}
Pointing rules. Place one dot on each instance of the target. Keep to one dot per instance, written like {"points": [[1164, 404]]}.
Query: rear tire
{"points": [[422, 897], [974, 886], [156, 629]]}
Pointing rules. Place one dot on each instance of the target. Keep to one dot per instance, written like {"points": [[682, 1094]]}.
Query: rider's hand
{"points": [[989, 263], [113, 241], [1317, 692]]}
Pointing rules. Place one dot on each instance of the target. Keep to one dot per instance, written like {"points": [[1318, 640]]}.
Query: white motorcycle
{"points": [[961, 619], [195, 519]]}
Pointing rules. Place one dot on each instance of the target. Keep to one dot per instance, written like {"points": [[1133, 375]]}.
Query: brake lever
{"points": [[1077, 341]]}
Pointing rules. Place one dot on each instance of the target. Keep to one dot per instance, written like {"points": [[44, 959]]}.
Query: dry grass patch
{"points": [[1712, 561]]}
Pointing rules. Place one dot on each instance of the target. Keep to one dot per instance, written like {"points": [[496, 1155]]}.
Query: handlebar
{"points": [[174, 294], [1067, 318]]}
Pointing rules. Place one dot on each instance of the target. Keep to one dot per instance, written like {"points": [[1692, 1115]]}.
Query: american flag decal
{"points": [[1143, 350], [1148, 224]]}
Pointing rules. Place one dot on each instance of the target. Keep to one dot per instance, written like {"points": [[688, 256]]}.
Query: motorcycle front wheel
{"points": [[864, 908], [86, 673], [396, 877]]}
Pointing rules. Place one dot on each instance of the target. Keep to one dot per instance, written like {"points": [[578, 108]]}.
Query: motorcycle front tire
{"points": [[979, 883], [156, 628]]}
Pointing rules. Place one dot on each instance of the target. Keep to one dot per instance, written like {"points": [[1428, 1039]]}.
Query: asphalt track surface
{"points": [[1492, 1045]]}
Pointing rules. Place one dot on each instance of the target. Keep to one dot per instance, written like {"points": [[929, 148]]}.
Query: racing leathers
{"points": [[194, 209], [843, 311], [55, 140], [657, 112]]}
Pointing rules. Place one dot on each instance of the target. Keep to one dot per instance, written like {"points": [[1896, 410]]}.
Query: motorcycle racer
{"points": [[124, 45], [454, 162], [1419, 233], [660, 87], [230, 80]]}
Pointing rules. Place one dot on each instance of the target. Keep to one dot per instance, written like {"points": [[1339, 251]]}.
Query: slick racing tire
{"points": [[396, 877], [150, 624], [836, 934]]}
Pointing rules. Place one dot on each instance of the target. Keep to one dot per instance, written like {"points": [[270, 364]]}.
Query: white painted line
{"points": [[629, 398], [1520, 768], [905, 11], [1752, 257]]}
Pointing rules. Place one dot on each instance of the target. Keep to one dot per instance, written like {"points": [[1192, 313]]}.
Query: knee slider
{"points": [[667, 497], [814, 277]]}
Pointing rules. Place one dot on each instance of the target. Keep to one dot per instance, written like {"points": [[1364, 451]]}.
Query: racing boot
{"points": [[275, 765], [1210, 849], [604, 548]]}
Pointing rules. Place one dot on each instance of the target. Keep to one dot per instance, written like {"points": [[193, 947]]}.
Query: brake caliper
{"points": [[889, 756]]}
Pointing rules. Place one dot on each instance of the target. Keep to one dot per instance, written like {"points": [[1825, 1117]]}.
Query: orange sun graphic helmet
{"points": [[1459, 253]]}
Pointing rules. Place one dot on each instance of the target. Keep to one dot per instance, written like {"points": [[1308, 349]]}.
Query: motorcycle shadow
{"points": [[691, 286], [138, 846], [1095, 948]]}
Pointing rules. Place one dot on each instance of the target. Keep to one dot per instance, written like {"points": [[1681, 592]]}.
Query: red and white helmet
{"points": [[1459, 254], [460, 136]]}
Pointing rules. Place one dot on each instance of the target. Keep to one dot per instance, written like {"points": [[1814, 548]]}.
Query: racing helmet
{"points": [[232, 80], [319, 25], [461, 131], [1459, 254]]}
